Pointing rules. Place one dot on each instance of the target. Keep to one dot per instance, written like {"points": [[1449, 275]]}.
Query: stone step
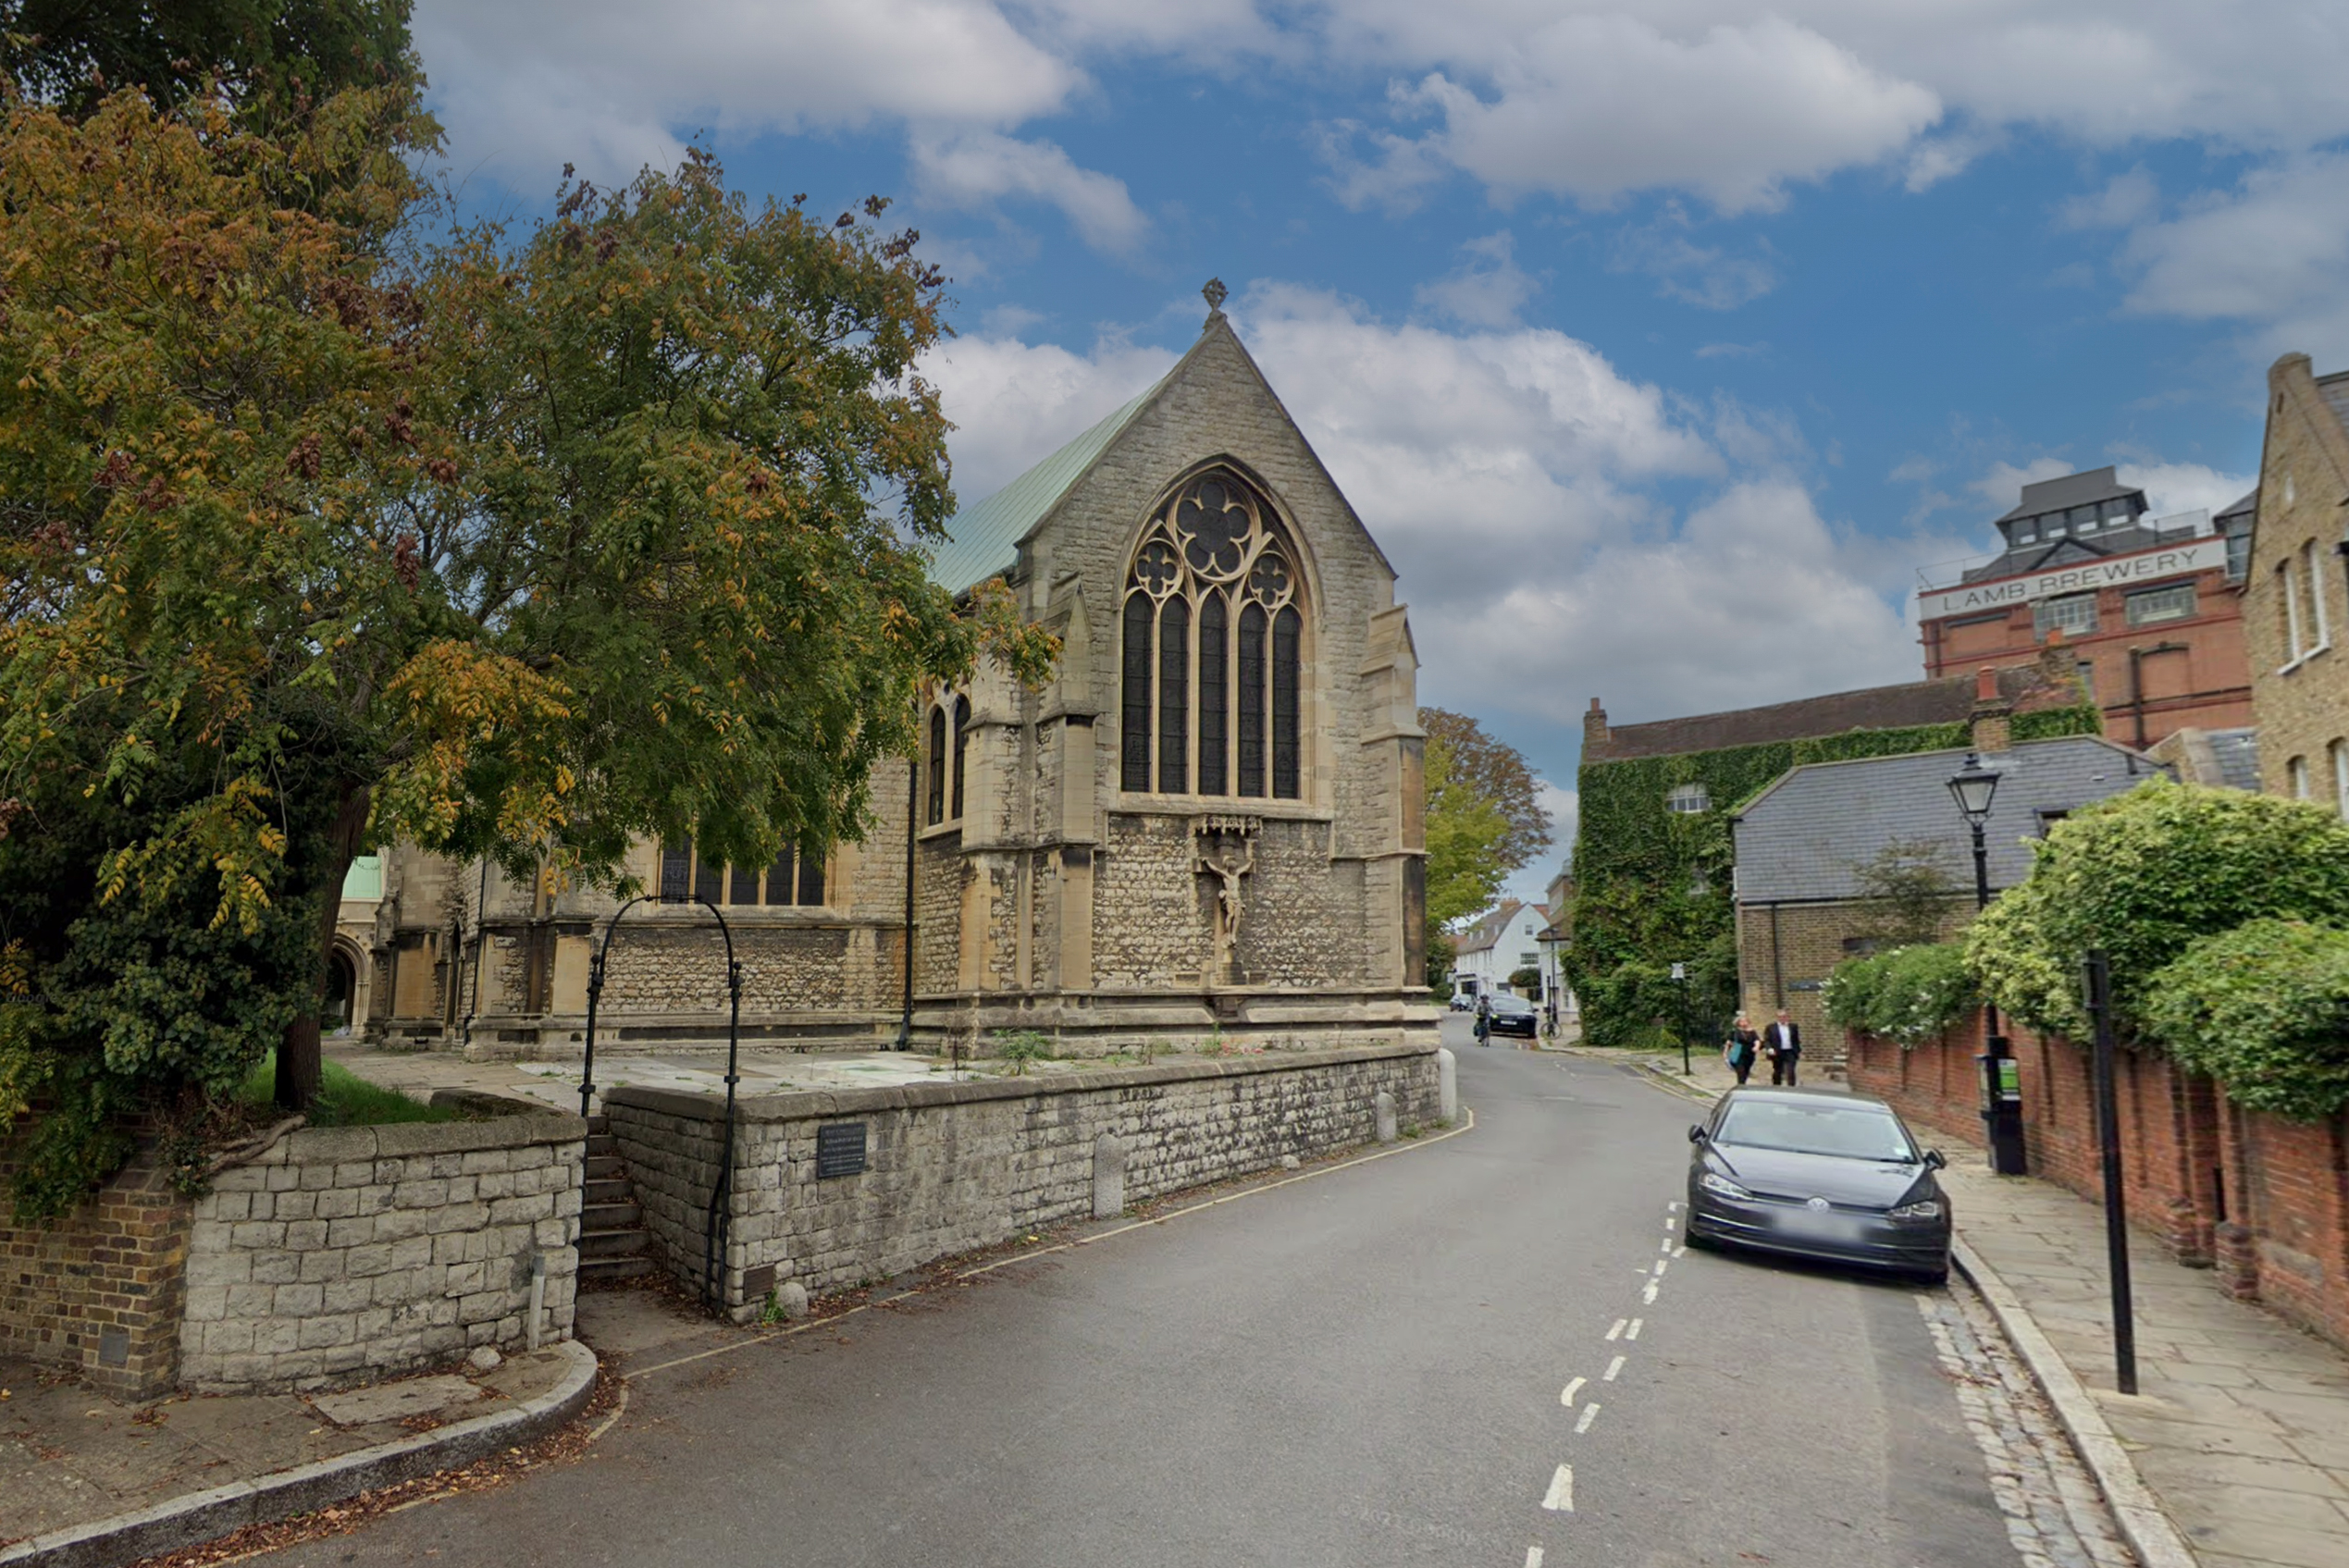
{"points": [[624, 1267], [599, 1124], [612, 1244], [609, 1189], [604, 1168], [602, 1143], [621, 1216]]}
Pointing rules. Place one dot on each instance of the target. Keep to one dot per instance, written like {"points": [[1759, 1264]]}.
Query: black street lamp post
{"points": [[1973, 789]]}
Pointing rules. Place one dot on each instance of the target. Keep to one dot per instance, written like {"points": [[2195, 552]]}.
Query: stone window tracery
{"points": [[1213, 652]]}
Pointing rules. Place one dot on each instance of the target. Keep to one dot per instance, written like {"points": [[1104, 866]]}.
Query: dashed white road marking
{"points": [[1590, 1414], [1533, 1556], [1615, 1368], [1573, 1389], [1662, 1264], [1559, 1497], [1616, 1332], [1632, 1332], [1673, 1207], [1648, 1296], [1670, 1223], [1680, 1251], [1665, 1246]]}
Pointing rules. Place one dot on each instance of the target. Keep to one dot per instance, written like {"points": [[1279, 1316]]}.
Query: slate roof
{"points": [[983, 539], [2048, 554], [1486, 931], [2238, 753], [2245, 509], [1945, 702], [1806, 836], [2334, 390], [2071, 490]]}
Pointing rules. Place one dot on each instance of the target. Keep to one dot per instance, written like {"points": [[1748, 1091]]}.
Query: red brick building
{"points": [[2153, 607]]}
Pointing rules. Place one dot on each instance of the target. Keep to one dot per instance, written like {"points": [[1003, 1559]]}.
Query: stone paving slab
{"points": [[86, 1478]]}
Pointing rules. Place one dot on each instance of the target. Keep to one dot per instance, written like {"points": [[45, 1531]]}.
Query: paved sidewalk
{"points": [[86, 1478], [2239, 1433]]}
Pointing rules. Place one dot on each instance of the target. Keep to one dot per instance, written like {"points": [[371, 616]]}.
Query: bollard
{"points": [[1386, 1104], [538, 1297], [1108, 1178], [1447, 1086], [791, 1299]]}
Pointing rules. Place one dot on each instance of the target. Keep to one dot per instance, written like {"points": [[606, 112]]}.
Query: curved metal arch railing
{"points": [[717, 1223]]}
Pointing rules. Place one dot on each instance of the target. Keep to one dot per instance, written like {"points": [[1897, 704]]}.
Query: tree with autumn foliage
{"points": [[511, 545]]}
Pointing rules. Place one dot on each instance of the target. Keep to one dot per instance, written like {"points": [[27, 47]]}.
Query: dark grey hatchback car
{"points": [[1817, 1174]]}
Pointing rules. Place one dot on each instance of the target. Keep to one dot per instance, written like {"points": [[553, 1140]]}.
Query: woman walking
{"points": [[1744, 1046]]}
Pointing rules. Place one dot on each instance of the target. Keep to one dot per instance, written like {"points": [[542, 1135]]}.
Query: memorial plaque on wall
{"points": [[840, 1149]]}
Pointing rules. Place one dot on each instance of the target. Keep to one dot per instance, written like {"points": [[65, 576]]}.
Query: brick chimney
{"points": [[1596, 739], [1993, 710]]}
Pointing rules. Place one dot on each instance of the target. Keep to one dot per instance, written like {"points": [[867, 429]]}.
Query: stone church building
{"points": [[1207, 825]]}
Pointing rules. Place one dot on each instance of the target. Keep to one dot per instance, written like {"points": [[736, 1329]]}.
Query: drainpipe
{"points": [[2137, 656], [480, 942], [913, 806]]}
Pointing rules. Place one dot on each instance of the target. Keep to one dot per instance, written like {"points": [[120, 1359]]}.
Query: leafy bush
{"points": [[2263, 1008], [2143, 876], [1908, 994], [1021, 1046]]}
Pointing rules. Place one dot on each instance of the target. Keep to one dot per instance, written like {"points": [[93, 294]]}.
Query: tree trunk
{"points": [[300, 1068]]}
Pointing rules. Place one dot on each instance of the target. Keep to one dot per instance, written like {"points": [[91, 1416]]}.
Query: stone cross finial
{"points": [[1215, 293]]}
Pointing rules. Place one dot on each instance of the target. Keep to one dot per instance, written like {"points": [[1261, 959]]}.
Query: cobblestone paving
{"points": [[2055, 1515]]}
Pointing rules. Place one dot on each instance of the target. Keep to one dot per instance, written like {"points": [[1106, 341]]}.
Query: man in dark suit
{"points": [[1783, 1039]]}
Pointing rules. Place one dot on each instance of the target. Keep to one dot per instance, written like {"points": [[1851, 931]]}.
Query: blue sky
{"points": [[1658, 342]]}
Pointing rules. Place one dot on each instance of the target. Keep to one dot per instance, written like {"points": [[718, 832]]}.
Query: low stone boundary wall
{"points": [[947, 1167], [353, 1251]]}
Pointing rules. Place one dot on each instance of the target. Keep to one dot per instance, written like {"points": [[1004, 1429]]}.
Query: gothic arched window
{"points": [[1214, 649]]}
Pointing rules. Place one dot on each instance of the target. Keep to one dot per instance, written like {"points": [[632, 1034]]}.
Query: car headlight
{"points": [[1929, 1209], [1713, 1181]]}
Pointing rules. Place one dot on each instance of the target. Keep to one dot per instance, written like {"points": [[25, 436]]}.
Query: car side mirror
{"points": [[1934, 1160], [1696, 1135]]}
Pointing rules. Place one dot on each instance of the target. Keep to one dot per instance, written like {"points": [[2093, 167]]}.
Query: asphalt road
{"points": [[1371, 1366]]}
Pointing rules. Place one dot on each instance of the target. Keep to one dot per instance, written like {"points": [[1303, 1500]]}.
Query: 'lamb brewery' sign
{"points": [[2128, 570]]}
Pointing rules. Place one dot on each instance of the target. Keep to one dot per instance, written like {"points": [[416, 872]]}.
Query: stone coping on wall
{"points": [[805, 1104], [399, 1138]]}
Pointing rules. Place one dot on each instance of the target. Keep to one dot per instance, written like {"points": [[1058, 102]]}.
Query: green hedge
{"points": [[2263, 1008], [1908, 994], [2144, 876], [1653, 886]]}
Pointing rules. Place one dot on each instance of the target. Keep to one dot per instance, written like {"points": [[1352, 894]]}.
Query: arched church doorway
{"points": [[342, 984]]}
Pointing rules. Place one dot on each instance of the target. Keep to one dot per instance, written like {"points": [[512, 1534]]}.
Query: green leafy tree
{"points": [[1484, 821], [2143, 876], [271, 54], [523, 547]]}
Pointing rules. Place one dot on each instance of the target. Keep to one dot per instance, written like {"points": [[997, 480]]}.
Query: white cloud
{"points": [[1015, 404], [2126, 199], [609, 84], [1594, 107], [2272, 252], [977, 169], [2173, 488], [1485, 289], [1698, 275]]}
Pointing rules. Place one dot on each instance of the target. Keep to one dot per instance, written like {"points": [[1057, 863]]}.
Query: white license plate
{"points": [[1814, 1225]]}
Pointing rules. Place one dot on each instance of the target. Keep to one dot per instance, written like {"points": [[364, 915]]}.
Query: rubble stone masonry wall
{"points": [[348, 1251], [954, 1167]]}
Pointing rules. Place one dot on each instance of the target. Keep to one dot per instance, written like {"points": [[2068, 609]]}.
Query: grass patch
{"points": [[344, 1098]]}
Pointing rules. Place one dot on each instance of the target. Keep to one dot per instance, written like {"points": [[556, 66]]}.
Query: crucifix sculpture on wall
{"points": [[1225, 848]]}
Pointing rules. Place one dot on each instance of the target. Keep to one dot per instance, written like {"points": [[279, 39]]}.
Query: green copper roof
{"points": [[983, 540]]}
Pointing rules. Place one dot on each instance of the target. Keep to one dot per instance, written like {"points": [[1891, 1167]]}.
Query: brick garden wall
{"points": [[348, 1251], [953, 1167], [99, 1289], [2265, 1200]]}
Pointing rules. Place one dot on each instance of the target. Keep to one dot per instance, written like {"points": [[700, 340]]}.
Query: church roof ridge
{"points": [[982, 539]]}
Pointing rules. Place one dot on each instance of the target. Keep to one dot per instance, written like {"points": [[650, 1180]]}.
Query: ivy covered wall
{"points": [[1654, 884]]}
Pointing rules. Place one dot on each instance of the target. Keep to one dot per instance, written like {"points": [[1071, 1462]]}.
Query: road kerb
{"points": [[2147, 1529], [206, 1515]]}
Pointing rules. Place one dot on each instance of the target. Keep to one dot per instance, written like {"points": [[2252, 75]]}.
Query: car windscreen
{"points": [[1858, 1132]]}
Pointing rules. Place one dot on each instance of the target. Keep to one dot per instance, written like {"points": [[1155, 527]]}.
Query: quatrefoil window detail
{"points": [[1156, 569], [1268, 582], [1217, 527]]}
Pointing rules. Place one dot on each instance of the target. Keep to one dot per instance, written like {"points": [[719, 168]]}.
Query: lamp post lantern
{"points": [[1973, 788]]}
